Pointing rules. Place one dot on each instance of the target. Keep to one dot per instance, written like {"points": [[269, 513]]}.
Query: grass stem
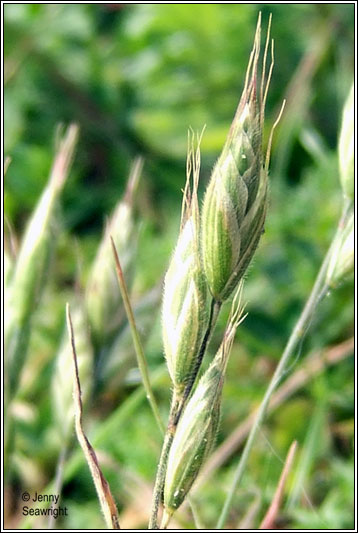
{"points": [[162, 465], [142, 363], [311, 368], [319, 290]]}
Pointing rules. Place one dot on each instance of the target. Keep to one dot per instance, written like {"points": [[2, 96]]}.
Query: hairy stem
{"points": [[318, 292], [162, 465]]}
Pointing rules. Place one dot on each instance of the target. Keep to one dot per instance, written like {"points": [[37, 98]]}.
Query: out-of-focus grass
{"points": [[135, 78]]}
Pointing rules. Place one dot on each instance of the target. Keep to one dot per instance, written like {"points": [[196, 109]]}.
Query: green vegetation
{"points": [[134, 78]]}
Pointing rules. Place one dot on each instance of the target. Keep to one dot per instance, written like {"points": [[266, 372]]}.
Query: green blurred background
{"points": [[135, 78]]}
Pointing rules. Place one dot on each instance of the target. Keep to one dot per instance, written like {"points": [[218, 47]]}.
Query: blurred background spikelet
{"points": [[135, 77]]}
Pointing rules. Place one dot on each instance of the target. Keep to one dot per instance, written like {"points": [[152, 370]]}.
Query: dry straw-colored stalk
{"points": [[62, 386], [270, 518], [105, 497]]}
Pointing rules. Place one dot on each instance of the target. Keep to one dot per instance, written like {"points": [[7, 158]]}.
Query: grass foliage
{"points": [[134, 78]]}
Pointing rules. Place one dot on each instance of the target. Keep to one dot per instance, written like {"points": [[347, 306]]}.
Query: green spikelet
{"points": [[30, 271], [199, 422], [346, 147], [184, 312], [236, 198], [342, 259], [103, 301], [193, 439]]}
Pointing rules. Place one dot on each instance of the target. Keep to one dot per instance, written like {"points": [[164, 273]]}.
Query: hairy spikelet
{"points": [[346, 147], [235, 203], [198, 424], [342, 258], [184, 311], [30, 270], [193, 439], [103, 300]]}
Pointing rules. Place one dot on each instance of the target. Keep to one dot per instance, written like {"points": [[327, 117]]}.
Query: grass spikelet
{"points": [[346, 147], [103, 302], [235, 203], [198, 424], [342, 258], [184, 313], [32, 261]]}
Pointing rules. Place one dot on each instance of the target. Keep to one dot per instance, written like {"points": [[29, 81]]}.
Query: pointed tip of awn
{"points": [[193, 161]]}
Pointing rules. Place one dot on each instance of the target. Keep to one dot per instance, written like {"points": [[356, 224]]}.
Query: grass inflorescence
{"points": [[97, 379]]}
